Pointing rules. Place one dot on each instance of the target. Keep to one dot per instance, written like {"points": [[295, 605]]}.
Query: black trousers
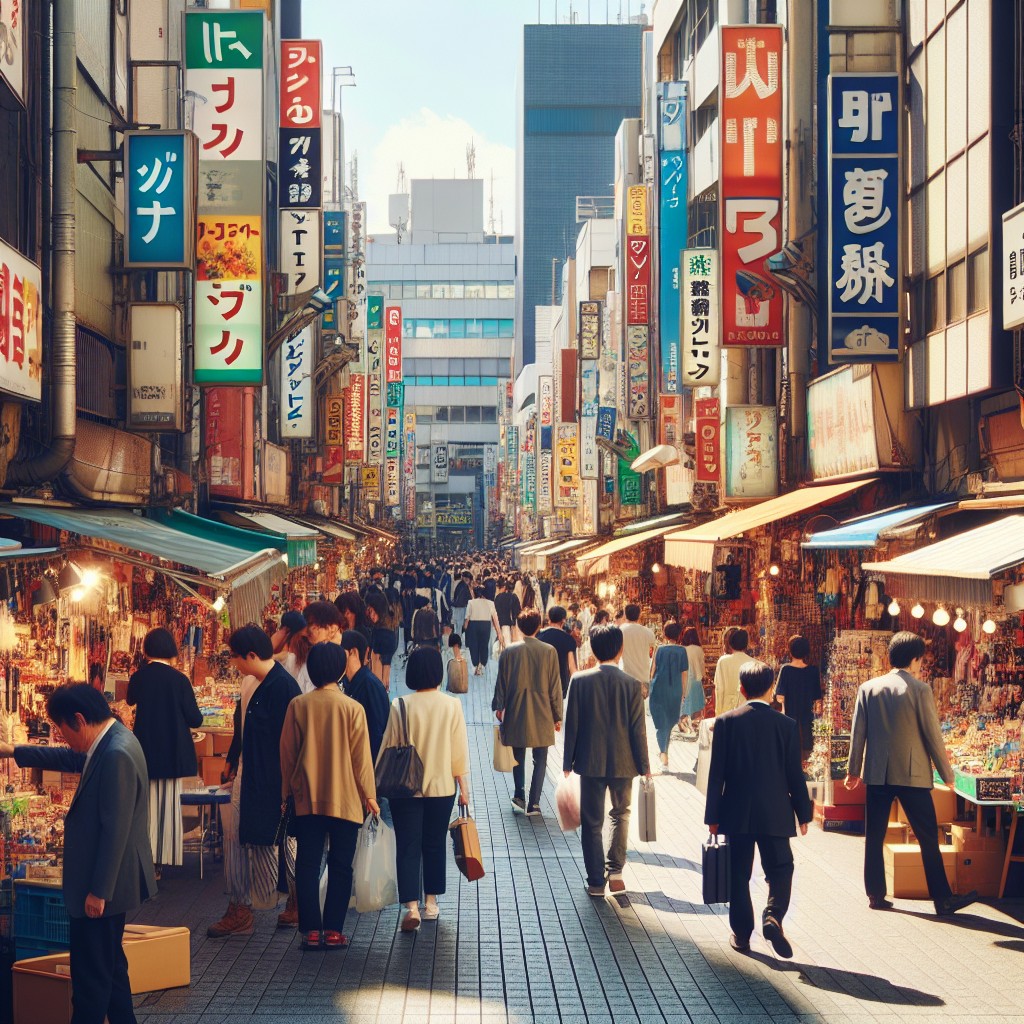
{"points": [[917, 802], [540, 765], [478, 636], [311, 830], [421, 835], [777, 862], [99, 972]]}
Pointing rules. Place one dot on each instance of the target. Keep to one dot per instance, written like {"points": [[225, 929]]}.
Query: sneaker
{"points": [[597, 891], [519, 804], [616, 884], [533, 811], [237, 921], [289, 917]]}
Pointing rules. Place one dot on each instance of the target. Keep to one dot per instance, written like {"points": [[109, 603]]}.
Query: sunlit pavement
{"points": [[527, 944]]}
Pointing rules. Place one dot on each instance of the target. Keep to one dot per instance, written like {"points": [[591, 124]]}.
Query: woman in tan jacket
{"points": [[327, 770], [437, 729]]}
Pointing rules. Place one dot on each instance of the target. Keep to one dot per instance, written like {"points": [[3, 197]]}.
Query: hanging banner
{"points": [[374, 393], [544, 505], [751, 451], [750, 185], [670, 419], [590, 330], [606, 422], [700, 324], [865, 281], [588, 421], [392, 432], [301, 83], [297, 386], [374, 312], [709, 440], [300, 249], [21, 325], [490, 458], [638, 370], [12, 46], [393, 345], [334, 434], [672, 225], [547, 400], [631, 489], [636, 210], [638, 279], [355, 418], [439, 464], [567, 466], [159, 171], [154, 366], [392, 484]]}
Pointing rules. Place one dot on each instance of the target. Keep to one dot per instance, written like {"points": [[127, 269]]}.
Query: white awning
{"points": [[658, 457]]}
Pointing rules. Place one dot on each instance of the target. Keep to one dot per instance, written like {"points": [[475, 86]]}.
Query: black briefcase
{"points": [[715, 864]]}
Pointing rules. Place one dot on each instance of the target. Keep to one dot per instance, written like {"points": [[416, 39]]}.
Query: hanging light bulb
{"points": [[917, 611], [773, 570], [894, 608], [602, 589], [960, 623], [78, 593], [656, 568], [988, 626], [218, 604], [940, 616]]}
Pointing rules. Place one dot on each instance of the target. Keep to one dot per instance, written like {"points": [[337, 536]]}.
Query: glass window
{"points": [[489, 366], [490, 328], [473, 381], [956, 292], [458, 414], [439, 290], [490, 414], [422, 290], [439, 382], [458, 290], [506, 329], [474, 328], [439, 366], [474, 289], [409, 290], [456, 365], [441, 414], [490, 289], [456, 328], [457, 381], [506, 290], [489, 381], [472, 413], [977, 281], [425, 414], [935, 301]]}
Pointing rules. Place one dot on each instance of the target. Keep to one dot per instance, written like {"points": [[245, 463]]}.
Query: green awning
{"points": [[209, 530], [301, 539]]}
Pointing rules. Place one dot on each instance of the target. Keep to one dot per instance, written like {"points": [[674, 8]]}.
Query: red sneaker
{"points": [[311, 940], [335, 940]]}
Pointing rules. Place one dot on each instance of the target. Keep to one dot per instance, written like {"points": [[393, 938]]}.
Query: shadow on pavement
{"points": [[663, 860], [969, 922]]}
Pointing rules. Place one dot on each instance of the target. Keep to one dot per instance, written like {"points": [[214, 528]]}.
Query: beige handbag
{"points": [[504, 759]]}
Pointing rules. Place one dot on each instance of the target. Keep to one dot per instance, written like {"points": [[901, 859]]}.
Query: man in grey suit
{"points": [[896, 720], [528, 703], [108, 863], [606, 745]]}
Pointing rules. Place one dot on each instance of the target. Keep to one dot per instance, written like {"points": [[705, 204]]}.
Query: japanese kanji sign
{"points": [[297, 386], [21, 325], [300, 249], [709, 440], [590, 330], [374, 396], [864, 218], [392, 432], [159, 171], [1013, 268], [392, 345], [301, 83], [392, 484], [12, 45], [355, 418], [750, 189], [638, 372], [300, 177], [699, 319], [334, 435], [751, 451], [567, 466], [672, 237], [636, 210], [439, 463], [638, 279]]}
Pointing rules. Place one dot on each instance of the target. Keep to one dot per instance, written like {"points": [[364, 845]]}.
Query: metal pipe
{"points": [[46, 466]]}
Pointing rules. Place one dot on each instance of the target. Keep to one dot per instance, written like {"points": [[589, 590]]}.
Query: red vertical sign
{"points": [[301, 78], [393, 345], [709, 441], [355, 417], [638, 279], [750, 190], [567, 410]]}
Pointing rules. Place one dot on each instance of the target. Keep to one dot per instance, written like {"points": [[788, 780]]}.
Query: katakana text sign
{"points": [[1013, 268], [300, 249], [673, 225], [21, 326], [355, 416], [297, 386], [301, 83], [224, 39], [709, 440], [334, 435], [228, 113], [299, 174], [590, 330], [750, 191], [159, 171], [638, 279], [864, 218], [699, 319], [392, 345], [228, 332]]}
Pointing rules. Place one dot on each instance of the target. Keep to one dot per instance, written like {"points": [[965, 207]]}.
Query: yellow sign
{"points": [[371, 479], [636, 210], [334, 437]]}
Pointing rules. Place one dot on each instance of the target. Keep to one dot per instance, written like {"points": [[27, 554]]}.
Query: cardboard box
{"points": [[904, 871], [840, 812], [980, 870], [944, 800], [943, 836], [222, 742], [897, 833], [204, 744], [966, 840], [40, 992], [212, 768], [840, 795]]}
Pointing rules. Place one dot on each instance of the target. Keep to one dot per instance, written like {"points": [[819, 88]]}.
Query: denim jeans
{"points": [[312, 830]]}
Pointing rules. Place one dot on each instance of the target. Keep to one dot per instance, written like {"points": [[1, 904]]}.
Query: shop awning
{"points": [[658, 457], [695, 548], [865, 531], [376, 531], [245, 569], [536, 547], [569, 545], [669, 519], [597, 559], [301, 539], [329, 527], [958, 569]]}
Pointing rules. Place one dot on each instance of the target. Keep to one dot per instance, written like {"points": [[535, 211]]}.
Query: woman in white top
{"points": [[693, 694], [480, 616], [437, 731], [291, 648]]}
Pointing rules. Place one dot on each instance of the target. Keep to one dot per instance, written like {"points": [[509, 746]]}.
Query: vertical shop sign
{"points": [[588, 421], [224, 79], [297, 386], [374, 312], [21, 325], [631, 490], [547, 401], [439, 463], [334, 440], [301, 83], [567, 466], [864, 217], [371, 483], [606, 422], [334, 232], [12, 45], [544, 505], [672, 225], [638, 372], [670, 419], [300, 186], [751, 451], [528, 480], [392, 432], [638, 279], [699, 318], [392, 484], [374, 399], [154, 366], [409, 464], [300, 249], [355, 419], [709, 440], [590, 330], [393, 345], [1013, 268], [159, 174], [750, 188], [636, 210]]}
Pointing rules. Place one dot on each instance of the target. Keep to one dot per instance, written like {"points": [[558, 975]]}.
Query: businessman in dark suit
{"points": [[108, 863], [606, 745], [756, 794]]}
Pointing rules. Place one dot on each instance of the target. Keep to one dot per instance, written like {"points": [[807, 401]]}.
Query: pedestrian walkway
{"points": [[526, 944]]}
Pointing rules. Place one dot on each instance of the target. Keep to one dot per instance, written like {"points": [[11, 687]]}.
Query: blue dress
{"points": [[670, 667]]}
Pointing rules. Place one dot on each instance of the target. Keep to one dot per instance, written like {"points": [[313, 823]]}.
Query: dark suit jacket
{"points": [[106, 830], [165, 711], [605, 729], [366, 689], [756, 783]]}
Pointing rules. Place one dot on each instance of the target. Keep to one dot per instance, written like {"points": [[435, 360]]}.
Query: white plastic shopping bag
{"points": [[567, 802], [374, 868]]}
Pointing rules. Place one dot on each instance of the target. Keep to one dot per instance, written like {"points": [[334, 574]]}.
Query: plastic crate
{"points": [[30, 950], [40, 916]]}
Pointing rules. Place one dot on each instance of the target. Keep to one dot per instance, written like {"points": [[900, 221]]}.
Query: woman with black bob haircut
{"points": [[437, 730], [165, 713]]}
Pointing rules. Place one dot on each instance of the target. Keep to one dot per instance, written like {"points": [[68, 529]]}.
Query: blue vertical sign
{"points": [[864, 218], [161, 227], [672, 225]]}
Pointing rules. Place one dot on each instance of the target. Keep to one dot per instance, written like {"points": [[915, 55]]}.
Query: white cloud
{"points": [[429, 145]]}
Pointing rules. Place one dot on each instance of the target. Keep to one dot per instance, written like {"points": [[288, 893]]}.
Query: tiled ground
{"points": [[526, 944]]}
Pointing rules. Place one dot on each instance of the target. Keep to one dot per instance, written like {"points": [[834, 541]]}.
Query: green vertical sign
{"points": [[375, 313], [630, 483], [224, 39]]}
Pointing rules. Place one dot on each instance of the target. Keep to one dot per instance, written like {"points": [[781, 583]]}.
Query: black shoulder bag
{"points": [[400, 770]]}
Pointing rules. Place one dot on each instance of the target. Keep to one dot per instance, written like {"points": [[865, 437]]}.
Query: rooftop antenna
{"points": [[471, 159], [403, 185]]}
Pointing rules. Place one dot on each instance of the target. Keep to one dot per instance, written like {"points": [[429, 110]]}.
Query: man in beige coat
{"points": [[895, 740], [528, 703]]}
